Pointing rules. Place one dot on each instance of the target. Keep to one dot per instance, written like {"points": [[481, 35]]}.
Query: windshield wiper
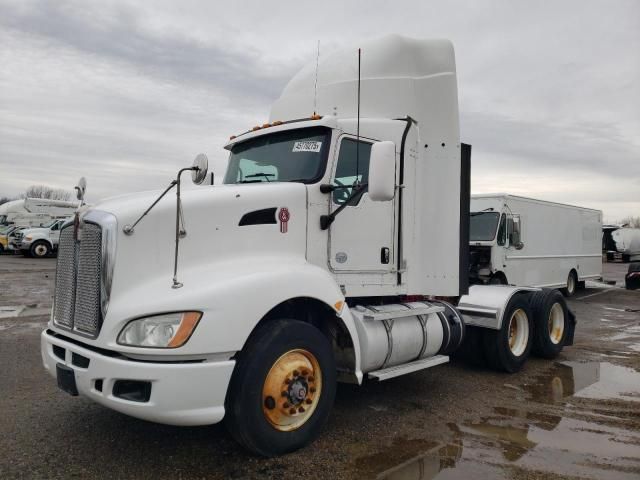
{"points": [[475, 214], [260, 174]]}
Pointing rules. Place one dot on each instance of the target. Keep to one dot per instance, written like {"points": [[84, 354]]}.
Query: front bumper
{"points": [[181, 393]]}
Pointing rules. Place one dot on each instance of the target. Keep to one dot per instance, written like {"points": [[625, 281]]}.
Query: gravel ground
{"points": [[576, 417]]}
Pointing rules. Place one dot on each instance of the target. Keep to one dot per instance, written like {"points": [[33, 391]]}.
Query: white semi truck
{"points": [[336, 250], [523, 241]]}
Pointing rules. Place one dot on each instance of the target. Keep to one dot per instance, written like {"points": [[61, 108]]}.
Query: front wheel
{"points": [[282, 388], [508, 348], [40, 249]]}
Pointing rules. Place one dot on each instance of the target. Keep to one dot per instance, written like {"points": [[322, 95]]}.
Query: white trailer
{"points": [[523, 241], [317, 260], [33, 212]]}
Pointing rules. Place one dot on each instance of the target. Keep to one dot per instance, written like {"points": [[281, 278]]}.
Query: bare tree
{"points": [[4, 200], [42, 191], [633, 222]]}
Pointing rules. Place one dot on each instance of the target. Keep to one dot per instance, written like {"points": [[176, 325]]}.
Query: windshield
{"points": [[48, 224], [483, 226], [290, 156]]}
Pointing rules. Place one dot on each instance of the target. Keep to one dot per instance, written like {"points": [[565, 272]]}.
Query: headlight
{"points": [[170, 330], [28, 238]]}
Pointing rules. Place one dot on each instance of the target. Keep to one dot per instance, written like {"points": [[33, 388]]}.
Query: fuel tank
{"points": [[399, 333]]}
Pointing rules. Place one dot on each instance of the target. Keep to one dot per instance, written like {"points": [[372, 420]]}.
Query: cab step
{"points": [[390, 372]]}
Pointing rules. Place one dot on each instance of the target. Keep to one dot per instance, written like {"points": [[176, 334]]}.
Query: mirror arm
{"points": [[327, 220], [179, 233], [128, 229], [328, 188]]}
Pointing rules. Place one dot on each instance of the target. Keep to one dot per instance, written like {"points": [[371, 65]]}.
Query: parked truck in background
{"points": [[523, 241], [627, 242], [38, 242], [319, 259], [33, 212]]}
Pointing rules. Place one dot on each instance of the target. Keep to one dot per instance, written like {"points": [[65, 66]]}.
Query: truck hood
{"points": [[31, 231], [224, 224]]}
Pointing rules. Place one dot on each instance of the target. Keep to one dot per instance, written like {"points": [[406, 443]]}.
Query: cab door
{"points": [[361, 238], [55, 232]]}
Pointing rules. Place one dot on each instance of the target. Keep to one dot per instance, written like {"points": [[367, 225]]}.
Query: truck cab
{"points": [[494, 233]]}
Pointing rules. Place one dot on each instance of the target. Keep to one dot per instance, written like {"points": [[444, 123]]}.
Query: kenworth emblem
{"points": [[284, 217]]}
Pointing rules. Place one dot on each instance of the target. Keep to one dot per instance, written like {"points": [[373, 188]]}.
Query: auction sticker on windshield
{"points": [[308, 146]]}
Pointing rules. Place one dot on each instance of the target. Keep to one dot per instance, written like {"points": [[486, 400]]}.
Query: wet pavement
{"points": [[576, 417]]}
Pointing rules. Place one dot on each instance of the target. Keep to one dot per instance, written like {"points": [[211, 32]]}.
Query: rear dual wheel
{"points": [[507, 349], [551, 320], [282, 388]]}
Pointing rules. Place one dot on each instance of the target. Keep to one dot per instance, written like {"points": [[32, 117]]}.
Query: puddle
{"points": [[565, 427], [11, 311], [594, 380]]}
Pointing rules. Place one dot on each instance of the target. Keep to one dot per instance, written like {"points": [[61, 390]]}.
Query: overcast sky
{"points": [[126, 92]]}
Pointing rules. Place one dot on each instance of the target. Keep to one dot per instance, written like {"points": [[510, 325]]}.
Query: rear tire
{"points": [[282, 388], [551, 323], [498, 279], [507, 349], [572, 284]]}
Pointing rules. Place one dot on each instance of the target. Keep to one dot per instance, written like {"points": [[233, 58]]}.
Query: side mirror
{"points": [[200, 167], [80, 188], [382, 171], [514, 239]]}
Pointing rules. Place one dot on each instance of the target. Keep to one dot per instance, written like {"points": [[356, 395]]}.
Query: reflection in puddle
{"points": [[578, 437]]}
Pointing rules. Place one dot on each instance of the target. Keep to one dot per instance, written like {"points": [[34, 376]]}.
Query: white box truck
{"points": [[319, 259], [522, 241]]}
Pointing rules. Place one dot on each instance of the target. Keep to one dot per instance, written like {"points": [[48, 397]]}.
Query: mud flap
{"points": [[571, 328]]}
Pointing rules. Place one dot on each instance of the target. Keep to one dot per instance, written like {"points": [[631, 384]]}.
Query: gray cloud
{"points": [[125, 92], [118, 36]]}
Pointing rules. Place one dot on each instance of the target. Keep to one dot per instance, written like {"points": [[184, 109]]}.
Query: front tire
{"points": [[282, 388], [551, 323], [40, 249], [507, 349]]}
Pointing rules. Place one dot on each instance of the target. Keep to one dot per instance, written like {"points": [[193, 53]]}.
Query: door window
{"points": [[352, 170], [502, 230]]}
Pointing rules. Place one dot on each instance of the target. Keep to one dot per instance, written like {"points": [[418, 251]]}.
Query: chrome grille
{"points": [[77, 293], [87, 312], [65, 279]]}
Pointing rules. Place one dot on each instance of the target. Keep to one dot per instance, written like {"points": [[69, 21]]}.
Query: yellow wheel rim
{"points": [[518, 332], [556, 323], [292, 390]]}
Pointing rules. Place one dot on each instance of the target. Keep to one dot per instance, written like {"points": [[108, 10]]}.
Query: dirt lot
{"points": [[577, 417]]}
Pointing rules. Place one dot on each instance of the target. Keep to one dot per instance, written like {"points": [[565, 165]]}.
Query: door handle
{"points": [[384, 255]]}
